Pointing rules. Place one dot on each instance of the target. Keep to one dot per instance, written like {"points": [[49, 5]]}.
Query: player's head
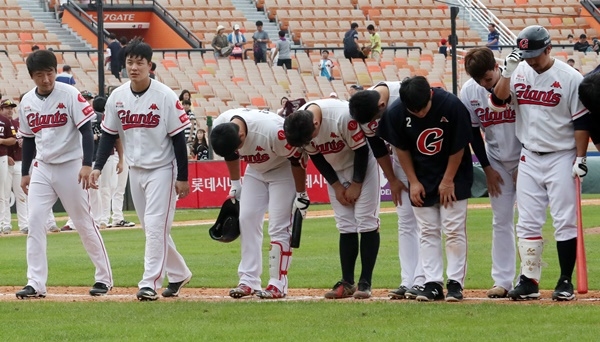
{"points": [[225, 139], [138, 60], [535, 46], [87, 95], [366, 106], [67, 68], [589, 92], [299, 128], [99, 103], [41, 65], [415, 94], [7, 107], [481, 65]]}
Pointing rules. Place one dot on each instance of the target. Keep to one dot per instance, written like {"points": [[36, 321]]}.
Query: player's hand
{"points": [[353, 192], [11, 162], [340, 193], [446, 191], [417, 194], [494, 181], [25, 184], [511, 62], [93, 179], [119, 167], [182, 188], [84, 176], [396, 186], [301, 202], [236, 189], [580, 168]]}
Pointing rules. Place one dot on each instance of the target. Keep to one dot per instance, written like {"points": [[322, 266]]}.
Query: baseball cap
{"points": [[7, 103], [86, 94], [333, 95], [220, 27], [236, 27]]}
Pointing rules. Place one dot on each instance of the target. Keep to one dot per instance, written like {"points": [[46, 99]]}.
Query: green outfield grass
{"points": [[315, 265]]}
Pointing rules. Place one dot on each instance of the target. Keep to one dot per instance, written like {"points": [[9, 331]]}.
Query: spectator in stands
{"points": [[189, 132], [261, 38], [351, 46], [34, 48], [375, 43], [283, 52], [185, 95], [570, 38], [582, 45], [493, 37], [333, 95], [66, 76], [200, 146], [325, 65], [237, 40], [123, 41], [354, 88], [596, 45], [115, 47], [281, 110], [152, 70], [443, 48], [220, 43], [571, 62]]}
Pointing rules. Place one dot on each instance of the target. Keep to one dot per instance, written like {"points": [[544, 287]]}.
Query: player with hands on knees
{"points": [[499, 158], [589, 93], [552, 126], [367, 107], [431, 130], [273, 173], [150, 120], [338, 148]]}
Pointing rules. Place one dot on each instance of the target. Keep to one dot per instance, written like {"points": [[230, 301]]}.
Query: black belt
{"points": [[536, 152]]}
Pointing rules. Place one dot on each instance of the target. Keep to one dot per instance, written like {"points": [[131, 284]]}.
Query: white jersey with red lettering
{"points": [[547, 105], [54, 122], [338, 136], [370, 128], [146, 123], [265, 147]]}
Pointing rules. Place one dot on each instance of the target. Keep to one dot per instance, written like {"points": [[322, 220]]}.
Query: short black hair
{"points": [[99, 103], [123, 40], [66, 68], [282, 33], [492, 25], [325, 51], [225, 139], [137, 48], [570, 36], [589, 92], [112, 36], [415, 93], [41, 60], [186, 102], [299, 128], [354, 26], [370, 27], [153, 67], [364, 105], [259, 23], [571, 60], [581, 36], [35, 48]]}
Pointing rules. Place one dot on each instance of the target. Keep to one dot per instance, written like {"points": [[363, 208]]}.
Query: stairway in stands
{"points": [[252, 14], [65, 35]]}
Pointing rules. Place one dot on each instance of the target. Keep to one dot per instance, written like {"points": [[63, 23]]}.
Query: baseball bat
{"points": [[296, 229], [582, 276]]}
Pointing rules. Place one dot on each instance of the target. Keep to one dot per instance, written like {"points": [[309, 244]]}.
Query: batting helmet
{"points": [[227, 227], [533, 40]]}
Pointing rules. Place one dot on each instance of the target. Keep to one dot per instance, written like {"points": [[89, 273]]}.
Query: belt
{"points": [[536, 152]]}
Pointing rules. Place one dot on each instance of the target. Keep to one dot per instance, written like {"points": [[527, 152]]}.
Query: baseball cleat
{"points": [[124, 223], [398, 293], [432, 291], [364, 290], [526, 289], [242, 290], [563, 290], [414, 291], [7, 230], [99, 289], [271, 292], [454, 291], [341, 289], [173, 289], [497, 292], [146, 294], [65, 228], [29, 292]]}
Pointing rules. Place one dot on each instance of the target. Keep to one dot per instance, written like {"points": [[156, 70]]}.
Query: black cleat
{"points": [[414, 291], [433, 291], [398, 293], [526, 289], [454, 291], [29, 292], [99, 289], [563, 290], [173, 289], [146, 294]]}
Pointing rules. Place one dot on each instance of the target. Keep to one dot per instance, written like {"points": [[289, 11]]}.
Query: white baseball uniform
{"points": [[338, 136], [6, 131], [54, 122], [411, 269], [546, 105], [146, 124], [268, 185], [503, 150]]}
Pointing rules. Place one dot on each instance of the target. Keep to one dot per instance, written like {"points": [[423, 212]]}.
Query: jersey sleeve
{"points": [[176, 118], [464, 98], [577, 108], [391, 126], [81, 111], [460, 131], [370, 128], [351, 132], [24, 128], [280, 145], [111, 122]]}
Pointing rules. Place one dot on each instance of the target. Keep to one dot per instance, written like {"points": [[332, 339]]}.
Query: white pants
{"points": [[4, 200], [453, 222], [542, 181], [107, 187], [153, 193], [504, 253], [411, 267], [49, 182], [273, 191], [118, 196], [13, 181]]}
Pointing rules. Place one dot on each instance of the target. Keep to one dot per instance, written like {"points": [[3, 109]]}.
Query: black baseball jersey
{"points": [[594, 127], [445, 130]]}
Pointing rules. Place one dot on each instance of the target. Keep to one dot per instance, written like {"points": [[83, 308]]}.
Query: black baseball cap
{"points": [[357, 87]]}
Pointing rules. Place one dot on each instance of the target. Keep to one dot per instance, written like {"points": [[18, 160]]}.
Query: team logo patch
{"points": [[524, 44], [61, 106], [80, 98], [281, 135], [358, 136], [153, 106], [88, 110], [119, 104], [183, 118], [259, 148], [475, 103], [352, 125], [178, 105], [289, 147], [333, 135], [373, 125], [556, 85], [523, 159]]}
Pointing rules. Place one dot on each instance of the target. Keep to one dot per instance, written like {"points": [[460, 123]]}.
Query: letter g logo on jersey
{"points": [[430, 141], [352, 125], [281, 135]]}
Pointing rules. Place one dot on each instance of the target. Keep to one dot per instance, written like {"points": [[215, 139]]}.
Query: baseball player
{"points": [[147, 115], [7, 140], [55, 125], [589, 92], [551, 124], [257, 138], [367, 107], [431, 130], [499, 162], [338, 148]]}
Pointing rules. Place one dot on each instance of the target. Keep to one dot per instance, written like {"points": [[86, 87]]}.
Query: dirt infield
{"points": [[123, 294]]}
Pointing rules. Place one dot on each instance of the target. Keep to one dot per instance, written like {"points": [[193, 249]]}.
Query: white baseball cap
{"points": [[333, 95], [236, 27]]}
